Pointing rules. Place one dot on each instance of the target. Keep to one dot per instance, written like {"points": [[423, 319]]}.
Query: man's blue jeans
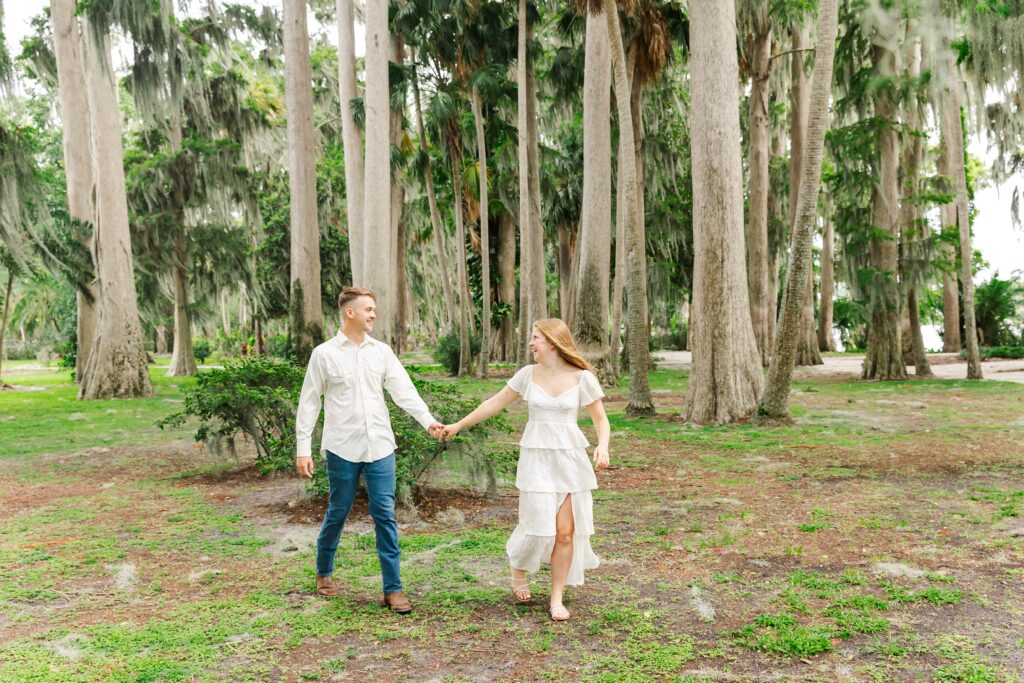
{"points": [[343, 478]]}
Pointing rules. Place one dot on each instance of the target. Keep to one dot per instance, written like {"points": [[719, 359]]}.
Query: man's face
{"points": [[361, 312]]}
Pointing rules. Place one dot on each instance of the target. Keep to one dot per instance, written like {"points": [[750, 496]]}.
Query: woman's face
{"points": [[539, 345]]}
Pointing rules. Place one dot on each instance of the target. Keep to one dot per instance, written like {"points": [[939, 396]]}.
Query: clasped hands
{"points": [[443, 432]]}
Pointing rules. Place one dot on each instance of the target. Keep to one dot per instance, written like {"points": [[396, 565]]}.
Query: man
{"points": [[351, 371]]}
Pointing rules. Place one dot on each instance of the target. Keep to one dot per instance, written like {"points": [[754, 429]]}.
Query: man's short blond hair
{"points": [[350, 294]]}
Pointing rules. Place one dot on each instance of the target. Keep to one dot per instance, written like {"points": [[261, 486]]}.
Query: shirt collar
{"points": [[345, 341]]}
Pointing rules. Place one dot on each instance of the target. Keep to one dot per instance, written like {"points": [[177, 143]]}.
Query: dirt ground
{"points": [[881, 538]]}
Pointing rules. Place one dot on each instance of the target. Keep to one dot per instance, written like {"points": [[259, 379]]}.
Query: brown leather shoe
{"points": [[397, 603], [326, 587]]}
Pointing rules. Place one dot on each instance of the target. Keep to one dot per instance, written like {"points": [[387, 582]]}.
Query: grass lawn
{"points": [[879, 538]]}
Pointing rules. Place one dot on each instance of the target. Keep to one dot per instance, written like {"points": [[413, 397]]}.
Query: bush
{"points": [[986, 352], [670, 341], [277, 346], [202, 349], [258, 397], [448, 354]]}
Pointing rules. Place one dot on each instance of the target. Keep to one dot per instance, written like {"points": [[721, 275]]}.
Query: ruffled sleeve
{"points": [[520, 381], [590, 388]]}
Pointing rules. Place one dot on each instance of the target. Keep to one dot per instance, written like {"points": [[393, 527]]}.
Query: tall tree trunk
{"points": [[538, 271], [780, 372], [116, 367], [352, 137], [74, 114], [950, 290], [761, 304], [566, 276], [726, 377], [3, 319], [485, 237], [910, 213], [955, 141], [807, 343], [621, 250], [307, 318], [590, 303], [777, 250], [225, 315], [507, 283], [160, 339], [532, 298], [826, 340], [639, 402], [437, 228], [466, 303], [921, 366], [183, 359], [884, 358], [397, 247], [378, 240]]}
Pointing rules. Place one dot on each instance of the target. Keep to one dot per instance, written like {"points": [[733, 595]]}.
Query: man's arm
{"points": [[307, 414], [403, 393]]}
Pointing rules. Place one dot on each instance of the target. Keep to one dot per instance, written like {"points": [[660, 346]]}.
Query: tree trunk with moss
{"points": [[955, 137], [306, 324], [884, 359], [116, 367], [726, 378], [74, 115]]}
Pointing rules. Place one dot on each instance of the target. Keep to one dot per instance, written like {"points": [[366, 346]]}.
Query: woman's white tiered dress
{"points": [[553, 464]]}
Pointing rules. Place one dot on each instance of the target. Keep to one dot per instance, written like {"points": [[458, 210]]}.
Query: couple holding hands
{"points": [[554, 476]]}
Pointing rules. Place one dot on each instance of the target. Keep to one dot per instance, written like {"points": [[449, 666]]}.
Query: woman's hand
{"points": [[600, 458], [451, 430]]}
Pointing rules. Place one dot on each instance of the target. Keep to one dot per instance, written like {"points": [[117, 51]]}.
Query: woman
{"points": [[554, 477]]}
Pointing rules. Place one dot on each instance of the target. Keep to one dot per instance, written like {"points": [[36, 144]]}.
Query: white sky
{"points": [[994, 235]]}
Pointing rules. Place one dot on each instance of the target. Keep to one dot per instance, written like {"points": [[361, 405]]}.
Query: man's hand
{"points": [[304, 465], [436, 430]]}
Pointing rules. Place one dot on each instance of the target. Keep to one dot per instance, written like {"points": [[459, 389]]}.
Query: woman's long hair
{"points": [[558, 334]]}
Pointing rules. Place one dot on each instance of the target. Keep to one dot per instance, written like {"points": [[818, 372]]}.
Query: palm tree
{"points": [[306, 312], [378, 264], [912, 241], [533, 287], [116, 366], [590, 301], [780, 372], [953, 125], [74, 112], [950, 290], [762, 301], [726, 379], [807, 352], [352, 136]]}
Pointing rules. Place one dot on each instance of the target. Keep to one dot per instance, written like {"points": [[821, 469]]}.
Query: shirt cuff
{"points": [[425, 420], [303, 448]]}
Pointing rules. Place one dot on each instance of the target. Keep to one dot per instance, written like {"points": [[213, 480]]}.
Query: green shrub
{"points": [[258, 396], [202, 349], [986, 352], [448, 354]]}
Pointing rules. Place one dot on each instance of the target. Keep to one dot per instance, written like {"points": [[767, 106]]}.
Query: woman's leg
{"points": [[561, 555]]}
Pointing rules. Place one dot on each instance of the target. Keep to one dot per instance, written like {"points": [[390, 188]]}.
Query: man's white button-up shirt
{"points": [[352, 379]]}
